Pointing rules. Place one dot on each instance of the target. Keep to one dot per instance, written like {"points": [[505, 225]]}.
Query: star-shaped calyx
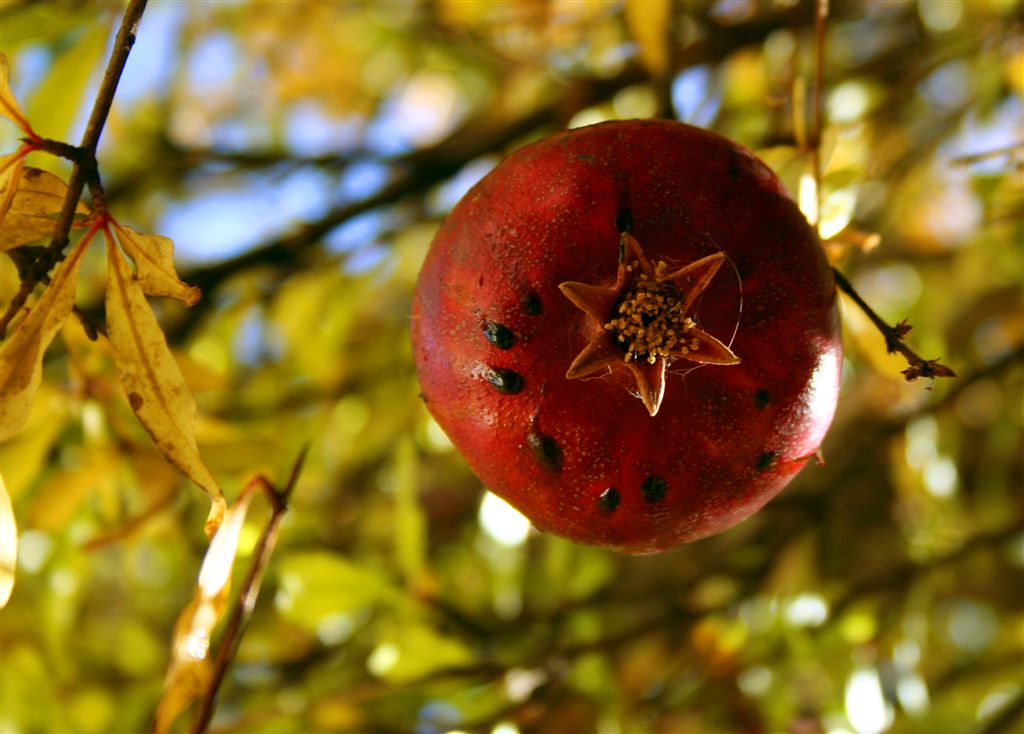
{"points": [[645, 320]]}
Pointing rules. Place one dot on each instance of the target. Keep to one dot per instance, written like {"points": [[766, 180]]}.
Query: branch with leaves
{"points": [[919, 367], [36, 206]]}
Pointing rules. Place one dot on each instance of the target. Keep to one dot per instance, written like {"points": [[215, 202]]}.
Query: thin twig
{"points": [[919, 367], [84, 171], [249, 592]]}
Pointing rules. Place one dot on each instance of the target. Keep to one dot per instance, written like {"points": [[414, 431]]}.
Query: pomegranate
{"points": [[630, 332]]}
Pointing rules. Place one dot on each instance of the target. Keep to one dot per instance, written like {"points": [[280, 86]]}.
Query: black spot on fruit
{"points": [[532, 304], [761, 399], [505, 381], [624, 220], [545, 450], [499, 335], [766, 460], [609, 499], [654, 488]]}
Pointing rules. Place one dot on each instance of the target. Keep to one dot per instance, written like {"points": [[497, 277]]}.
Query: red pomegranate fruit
{"points": [[630, 332]]}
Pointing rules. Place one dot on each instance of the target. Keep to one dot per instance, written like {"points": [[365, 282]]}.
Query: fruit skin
{"points": [[727, 438]]}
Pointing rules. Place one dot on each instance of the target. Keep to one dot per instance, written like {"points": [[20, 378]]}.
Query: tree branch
{"points": [[246, 601], [84, 171], [894, 337]]}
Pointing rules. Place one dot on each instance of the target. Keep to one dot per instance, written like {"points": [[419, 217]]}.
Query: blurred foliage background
{"points": [[301, 155]]}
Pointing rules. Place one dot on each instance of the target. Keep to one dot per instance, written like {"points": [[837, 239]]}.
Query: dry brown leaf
{"points": [[21, 356], [8, 545], [189, 671], [152, 379], [153, 256], [648, 22], [9, 107]]}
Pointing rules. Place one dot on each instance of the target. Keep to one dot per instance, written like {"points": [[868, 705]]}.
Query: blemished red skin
{"points": [[727, 438]]}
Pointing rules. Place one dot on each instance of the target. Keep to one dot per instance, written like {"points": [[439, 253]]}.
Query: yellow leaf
{"points": [[21, 356], [10, 173], [189, 670], [18, 229], [215, 573], [648, 22], [31, 204], [152, 380], [8, 545], [153, 256], [8, 104], [39, 193]]}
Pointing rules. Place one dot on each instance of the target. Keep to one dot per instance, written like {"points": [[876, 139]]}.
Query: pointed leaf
{"points": [[21, 356], [31, 204], [189, 672], [8, 545], [18, 229], [152, 380], [10, 174], [153, 256], [9, 107], [215, 573]]}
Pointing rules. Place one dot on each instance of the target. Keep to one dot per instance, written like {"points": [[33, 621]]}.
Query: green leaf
{"points": [[412, 650], [316, 585], [57, 102]]}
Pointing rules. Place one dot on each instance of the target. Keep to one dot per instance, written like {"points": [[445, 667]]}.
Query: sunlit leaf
{"points": [[56, 102], [215, 574], [8, 545], [11, 167], [21, 356], [316, 585], [189, 670], [153, 256], [649, 22], [9, 107], [40, 193], [18, 230], [413, 650], [152, 380], [31, 202]]}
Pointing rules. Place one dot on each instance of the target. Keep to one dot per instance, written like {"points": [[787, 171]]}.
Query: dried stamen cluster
{"points": [[650, 321]]}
